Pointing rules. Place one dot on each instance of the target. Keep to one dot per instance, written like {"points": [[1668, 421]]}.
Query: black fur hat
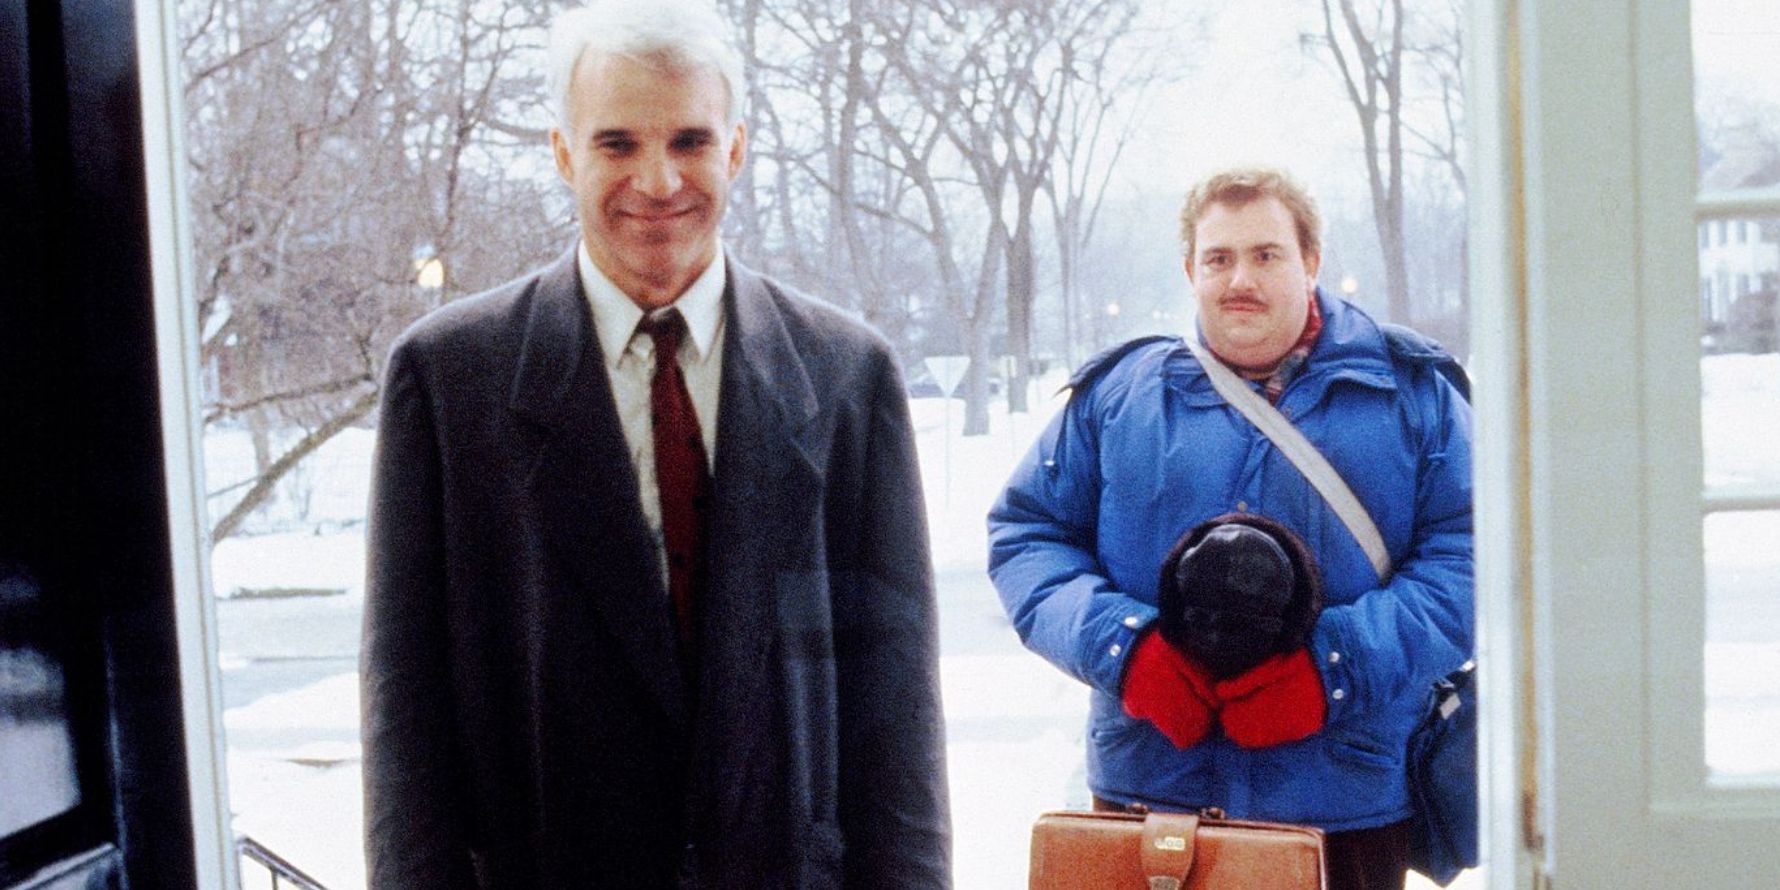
{"points": [[1237, 589]]}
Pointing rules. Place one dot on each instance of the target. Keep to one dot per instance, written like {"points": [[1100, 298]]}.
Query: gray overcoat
{"points": [[526, 724]]}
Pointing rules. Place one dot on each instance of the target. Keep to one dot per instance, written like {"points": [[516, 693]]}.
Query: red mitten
{"points": [[1279, 701], [1169, 690]]}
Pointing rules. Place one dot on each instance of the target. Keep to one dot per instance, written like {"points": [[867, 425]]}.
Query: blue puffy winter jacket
{"points": [[1146, 450]]}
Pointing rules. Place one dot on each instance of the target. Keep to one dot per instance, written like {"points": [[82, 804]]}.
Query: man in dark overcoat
{"points": [[649, 601]]}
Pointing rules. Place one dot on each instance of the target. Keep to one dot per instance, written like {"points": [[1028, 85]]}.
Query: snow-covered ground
{"points": [[1014, 723]]}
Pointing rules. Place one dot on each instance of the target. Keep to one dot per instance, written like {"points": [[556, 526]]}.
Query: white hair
{"points": [[676, 34]]}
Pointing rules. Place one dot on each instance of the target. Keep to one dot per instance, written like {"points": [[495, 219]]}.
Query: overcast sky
{"points": [[1738, 36], [1251, 94], [1248, 94], [1736, 46]]}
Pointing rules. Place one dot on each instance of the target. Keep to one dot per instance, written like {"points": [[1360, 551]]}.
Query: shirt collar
{"points": [[615, 317]]}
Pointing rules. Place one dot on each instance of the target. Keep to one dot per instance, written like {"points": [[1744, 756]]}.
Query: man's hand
{"points": [[1279, 701], [1169, 690]]}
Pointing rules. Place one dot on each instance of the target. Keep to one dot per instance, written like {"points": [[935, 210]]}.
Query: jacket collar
{"points": [[615, 315], [558, 334], [767, 390], [1351, 348], [766, 470], [762, 370], [1351, 340]]}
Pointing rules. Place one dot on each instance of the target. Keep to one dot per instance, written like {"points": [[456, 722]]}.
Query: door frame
{"points": [[1591, 581]]}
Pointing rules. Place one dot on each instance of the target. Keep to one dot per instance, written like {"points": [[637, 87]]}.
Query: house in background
{"points": [[1740, 258]]}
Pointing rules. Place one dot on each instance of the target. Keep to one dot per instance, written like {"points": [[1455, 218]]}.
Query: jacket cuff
{"points": [[1335, 661], [1112, 640]]}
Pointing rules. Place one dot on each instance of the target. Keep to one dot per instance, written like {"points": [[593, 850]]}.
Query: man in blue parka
{"points": [[1147, 452]]}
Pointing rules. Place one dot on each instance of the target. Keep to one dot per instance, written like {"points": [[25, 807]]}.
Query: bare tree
{"points": [[1008, 82], [856, 192], [824, 201], [1401, 68], [898, 154], [901, 149], [1099, 118], [335, 149], [1437, 45], [1367, 51]]}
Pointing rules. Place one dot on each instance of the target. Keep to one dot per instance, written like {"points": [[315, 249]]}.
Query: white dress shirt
{"points": [[630, 365]]}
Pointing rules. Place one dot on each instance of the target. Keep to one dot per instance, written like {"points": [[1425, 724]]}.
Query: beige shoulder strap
{"points": [[1300, 452]]}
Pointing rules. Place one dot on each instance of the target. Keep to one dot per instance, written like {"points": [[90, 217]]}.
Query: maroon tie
{"points": [[681, 474]]}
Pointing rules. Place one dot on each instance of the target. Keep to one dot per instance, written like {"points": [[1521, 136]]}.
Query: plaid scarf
{"points": [[1293, 362]]}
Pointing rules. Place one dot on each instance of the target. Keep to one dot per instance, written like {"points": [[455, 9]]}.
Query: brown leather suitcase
{"points": [[1173, 851]]}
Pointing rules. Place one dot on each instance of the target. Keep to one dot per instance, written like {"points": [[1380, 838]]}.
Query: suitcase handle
{"points": [[1168, 848]]}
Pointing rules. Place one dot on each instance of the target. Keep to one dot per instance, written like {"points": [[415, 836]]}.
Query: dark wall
{"points": [[83, 510]]}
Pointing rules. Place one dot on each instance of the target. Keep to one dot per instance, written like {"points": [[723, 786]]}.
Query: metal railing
{"points": [[282, 871]]}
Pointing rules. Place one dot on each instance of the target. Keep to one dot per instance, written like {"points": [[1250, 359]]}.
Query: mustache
{"points": [[1242, 300]]}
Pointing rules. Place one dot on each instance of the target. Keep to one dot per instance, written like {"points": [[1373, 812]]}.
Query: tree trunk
{"points": [[1396, 266], [259, 431], [1066, 285], [744, 209], [976, 378], [850, 270], [1376, 67], [268, 480], [1020, 299]]}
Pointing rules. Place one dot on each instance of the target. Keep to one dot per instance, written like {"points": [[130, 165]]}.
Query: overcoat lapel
{"points": [[768, 473], [768, 479], [586, 489]]}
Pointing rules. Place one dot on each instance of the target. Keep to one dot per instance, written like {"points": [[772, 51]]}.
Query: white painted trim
{"points": [[1729, 499], [1585, 413], [1737, 203], [1498, 453], [1673, 550], [176, 343]]}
